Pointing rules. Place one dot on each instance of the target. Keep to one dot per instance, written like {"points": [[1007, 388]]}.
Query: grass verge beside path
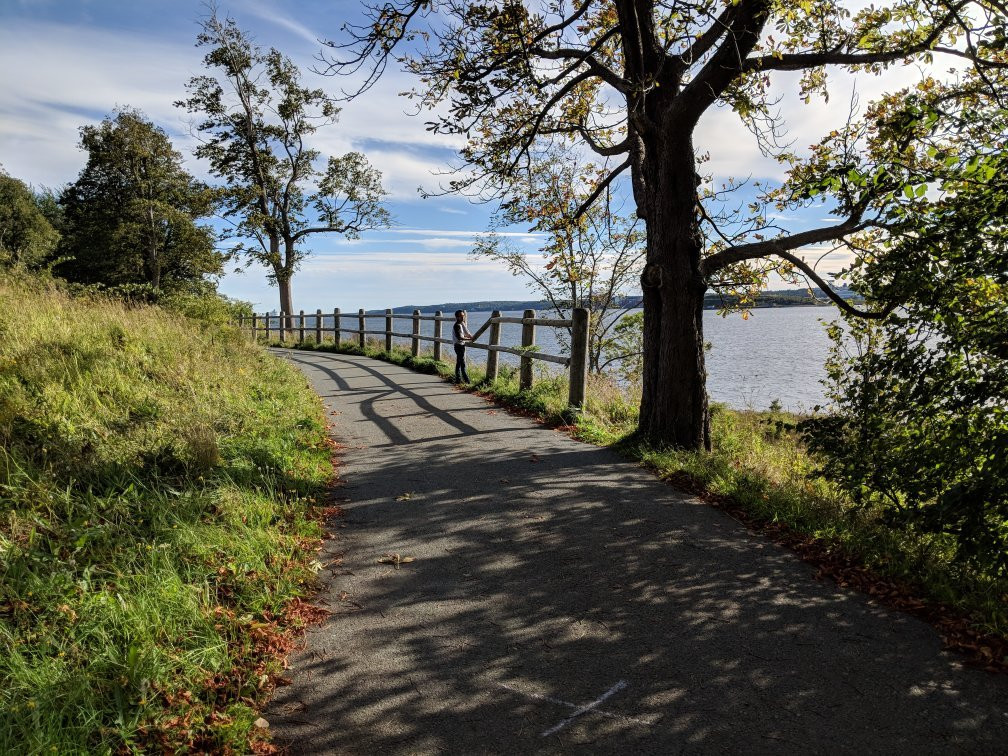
{"points": [[760, 472], [158, 477]]}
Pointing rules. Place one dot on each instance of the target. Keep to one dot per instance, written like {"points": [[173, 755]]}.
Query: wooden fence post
{"points": [[336, 326], [269, 321], [388, 330], [283, 327], [579, 357], [437, 335], [255, 337], [492, 355], [318, 327], [528, 340], [416, 333], [301, 327], [360, 317]]}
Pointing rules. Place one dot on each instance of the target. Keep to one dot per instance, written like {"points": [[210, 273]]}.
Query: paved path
{"points": [[560, 599]]}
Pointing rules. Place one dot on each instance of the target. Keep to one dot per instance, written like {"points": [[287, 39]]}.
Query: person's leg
{"points": [[462, 357], [459, 363]]}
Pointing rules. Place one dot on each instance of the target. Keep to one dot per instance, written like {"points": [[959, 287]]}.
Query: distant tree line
{"points": [[712, 301]]}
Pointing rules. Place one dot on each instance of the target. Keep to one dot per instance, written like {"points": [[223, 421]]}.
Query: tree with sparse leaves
{"points": [[130, 217], [630, 80], [257, 119], [592, 260]]}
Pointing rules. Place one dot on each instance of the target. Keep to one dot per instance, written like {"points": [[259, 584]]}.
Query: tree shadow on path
{"points": [[545, 574]]}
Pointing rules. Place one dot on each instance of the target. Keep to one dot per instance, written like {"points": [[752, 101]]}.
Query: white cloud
{"points": [[273, 16], [381, 279], [733, 149], [522, 235], [78, 76]]}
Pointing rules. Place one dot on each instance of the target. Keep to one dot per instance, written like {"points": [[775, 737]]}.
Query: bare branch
{"points": [[842, 303], [597, 191], [781, 245]]}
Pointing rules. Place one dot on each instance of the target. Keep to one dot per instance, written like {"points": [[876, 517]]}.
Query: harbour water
{"points": [[777, 354]]}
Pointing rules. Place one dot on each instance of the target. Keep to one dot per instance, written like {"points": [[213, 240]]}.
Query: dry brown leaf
{"points": [[395, 559]]}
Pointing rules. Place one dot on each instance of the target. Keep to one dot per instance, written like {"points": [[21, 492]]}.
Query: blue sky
{"points": [[68, 64]]}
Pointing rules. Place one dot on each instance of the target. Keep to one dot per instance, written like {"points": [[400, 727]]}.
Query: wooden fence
{"points": [[578, 324]]}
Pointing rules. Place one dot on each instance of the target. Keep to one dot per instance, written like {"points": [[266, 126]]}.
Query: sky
{"points": [[72, 63]]}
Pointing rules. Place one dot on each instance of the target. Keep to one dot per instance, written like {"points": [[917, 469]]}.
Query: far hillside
{"points": [[712, 301]]}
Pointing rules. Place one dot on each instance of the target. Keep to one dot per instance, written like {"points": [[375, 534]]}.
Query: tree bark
{"points": [[674, 408], [286, 301]]}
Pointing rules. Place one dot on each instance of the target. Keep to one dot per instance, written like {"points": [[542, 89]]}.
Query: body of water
{"points": [[777, 354]]}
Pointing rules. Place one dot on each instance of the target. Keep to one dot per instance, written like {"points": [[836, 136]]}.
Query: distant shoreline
{"points": [[780, 298]]}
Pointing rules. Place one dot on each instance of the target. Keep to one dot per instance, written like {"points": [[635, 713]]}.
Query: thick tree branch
{"points": [[780, 248], [726, 64], [781, 245], [621, 148], [597, 191], [840, 302], [702, 44], [595, 66], [800, 61]]}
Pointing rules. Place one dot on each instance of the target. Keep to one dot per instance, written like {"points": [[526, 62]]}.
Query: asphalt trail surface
{"points": [[555, 598]]}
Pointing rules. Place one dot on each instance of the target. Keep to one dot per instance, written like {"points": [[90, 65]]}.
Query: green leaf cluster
{"points": [[27, 238], [131, 216], [920, 429]]}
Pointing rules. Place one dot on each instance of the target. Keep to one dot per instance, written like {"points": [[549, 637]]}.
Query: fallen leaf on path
{"points": [[404, 497], [534, 458], [261, 723], [395, 559]]}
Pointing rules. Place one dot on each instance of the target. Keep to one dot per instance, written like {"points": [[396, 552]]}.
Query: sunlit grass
{"points": [[156, 477]]}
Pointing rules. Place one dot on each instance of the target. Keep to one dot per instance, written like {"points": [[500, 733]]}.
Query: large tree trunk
{"points": [[674, 407], [286, 302]]}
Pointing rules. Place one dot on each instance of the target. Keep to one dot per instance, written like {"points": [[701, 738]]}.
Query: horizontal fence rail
{"points": [[284, 326]]}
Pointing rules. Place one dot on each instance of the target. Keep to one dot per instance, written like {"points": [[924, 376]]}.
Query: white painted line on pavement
{"points": [[578, 709], [584, 709]]}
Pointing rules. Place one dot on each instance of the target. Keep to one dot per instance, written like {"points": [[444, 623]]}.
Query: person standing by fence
{"points": [[460, 335]]}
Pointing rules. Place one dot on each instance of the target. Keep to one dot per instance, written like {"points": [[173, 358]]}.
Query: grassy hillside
{"points": [[157, 476]]}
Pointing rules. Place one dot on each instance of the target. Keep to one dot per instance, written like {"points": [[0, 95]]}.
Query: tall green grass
{"points": [[758, 464], [157, 475]]}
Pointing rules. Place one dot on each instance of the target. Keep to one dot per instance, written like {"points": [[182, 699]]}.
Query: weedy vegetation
{"points": [[158, 476]]}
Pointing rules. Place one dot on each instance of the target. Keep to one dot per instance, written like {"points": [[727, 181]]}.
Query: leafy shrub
{"points": [[920, 428]]}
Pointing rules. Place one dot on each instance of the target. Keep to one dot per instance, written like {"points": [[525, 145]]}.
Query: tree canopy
{"points": [[630, 81], [920, 423], [257, 120], [130, 217], [27, 238]]}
